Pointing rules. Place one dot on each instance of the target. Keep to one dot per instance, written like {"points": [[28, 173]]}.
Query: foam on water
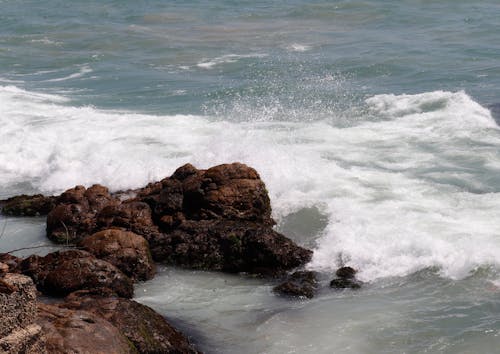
{"points": [[413, 184]]}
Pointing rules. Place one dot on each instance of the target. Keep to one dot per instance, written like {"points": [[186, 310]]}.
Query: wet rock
{"points": [[230, 246], [147, 330], [74, 216], [132, 215], [76, 331], [346, 272], [60, 273], [345, 279], [28, 205], [230, 191], [299, 284], [126, 250]]}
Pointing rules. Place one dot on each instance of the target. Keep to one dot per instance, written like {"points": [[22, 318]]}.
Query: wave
{"points": [[83, 70], [415, 184], [225, 59]]}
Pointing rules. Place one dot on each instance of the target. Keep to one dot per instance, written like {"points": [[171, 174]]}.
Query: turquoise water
{"points": [[369, 122]]}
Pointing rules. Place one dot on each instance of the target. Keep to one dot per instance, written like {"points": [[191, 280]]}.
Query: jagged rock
{"points": [[230, 191], [346, 279], [73, 218], [131, 215], [62, 272], [126, 250], [28, 205], [231, 246], [18, 331], [146, 329], [10, 261], [300, 283], [75, 331]]}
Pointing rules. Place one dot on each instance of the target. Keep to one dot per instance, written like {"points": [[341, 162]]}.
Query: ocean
{"points": [[374, 125]]}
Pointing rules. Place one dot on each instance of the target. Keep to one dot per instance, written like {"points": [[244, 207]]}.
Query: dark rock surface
{"points": [[147, 330], [299, 284], [28, 205], [345, 279], [230, 246], [126, 250], [76, 331], [60, 273]]}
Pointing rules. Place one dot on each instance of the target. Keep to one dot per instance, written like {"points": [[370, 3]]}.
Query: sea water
{"points": [[368, 121]]}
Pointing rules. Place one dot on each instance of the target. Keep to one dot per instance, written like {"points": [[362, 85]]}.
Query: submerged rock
{"points": [[28, 205], [300, 284], [126, 250], [62, 272], [147, 330]]}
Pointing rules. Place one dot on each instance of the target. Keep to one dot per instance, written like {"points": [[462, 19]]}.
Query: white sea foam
{"points": [[296, 47], [414, 185], [229, 58], [83, 71]]}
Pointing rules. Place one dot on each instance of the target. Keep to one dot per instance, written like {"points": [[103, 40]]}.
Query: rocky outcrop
{"points": [[60, 273], [345, 279], [229, 246], [230, 191], [299, 284], [76, 331], [18, 331], [147, 330], [126, 250], [28, 205], [74, 214]]}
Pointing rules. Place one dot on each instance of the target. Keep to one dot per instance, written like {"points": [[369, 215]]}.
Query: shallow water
{"points": [[367, 120]]}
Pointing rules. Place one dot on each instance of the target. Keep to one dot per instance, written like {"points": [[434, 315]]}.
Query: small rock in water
{"points": [[345, 279], [300, 283]]}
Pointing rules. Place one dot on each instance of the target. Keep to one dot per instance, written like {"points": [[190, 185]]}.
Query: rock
{"points": [[300, 283], [346, 279], [18, 331], [342, 283], [230, 246], [75, 331], [28, 205], [146, 329], [126, 250], [62, 272], [231, 191], [11, 262], [346, 272], [132, 215], [74, 216]]}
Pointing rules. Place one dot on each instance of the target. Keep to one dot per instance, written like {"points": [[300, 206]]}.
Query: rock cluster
{"points": [[345, 279], [214, 219]]}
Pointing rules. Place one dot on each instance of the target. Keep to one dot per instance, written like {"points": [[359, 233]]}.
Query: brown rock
{"points": [[28, 205], [126, 250], [146, 329], [132, 215], [60, 273], [75, 331], [73, 218]]}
